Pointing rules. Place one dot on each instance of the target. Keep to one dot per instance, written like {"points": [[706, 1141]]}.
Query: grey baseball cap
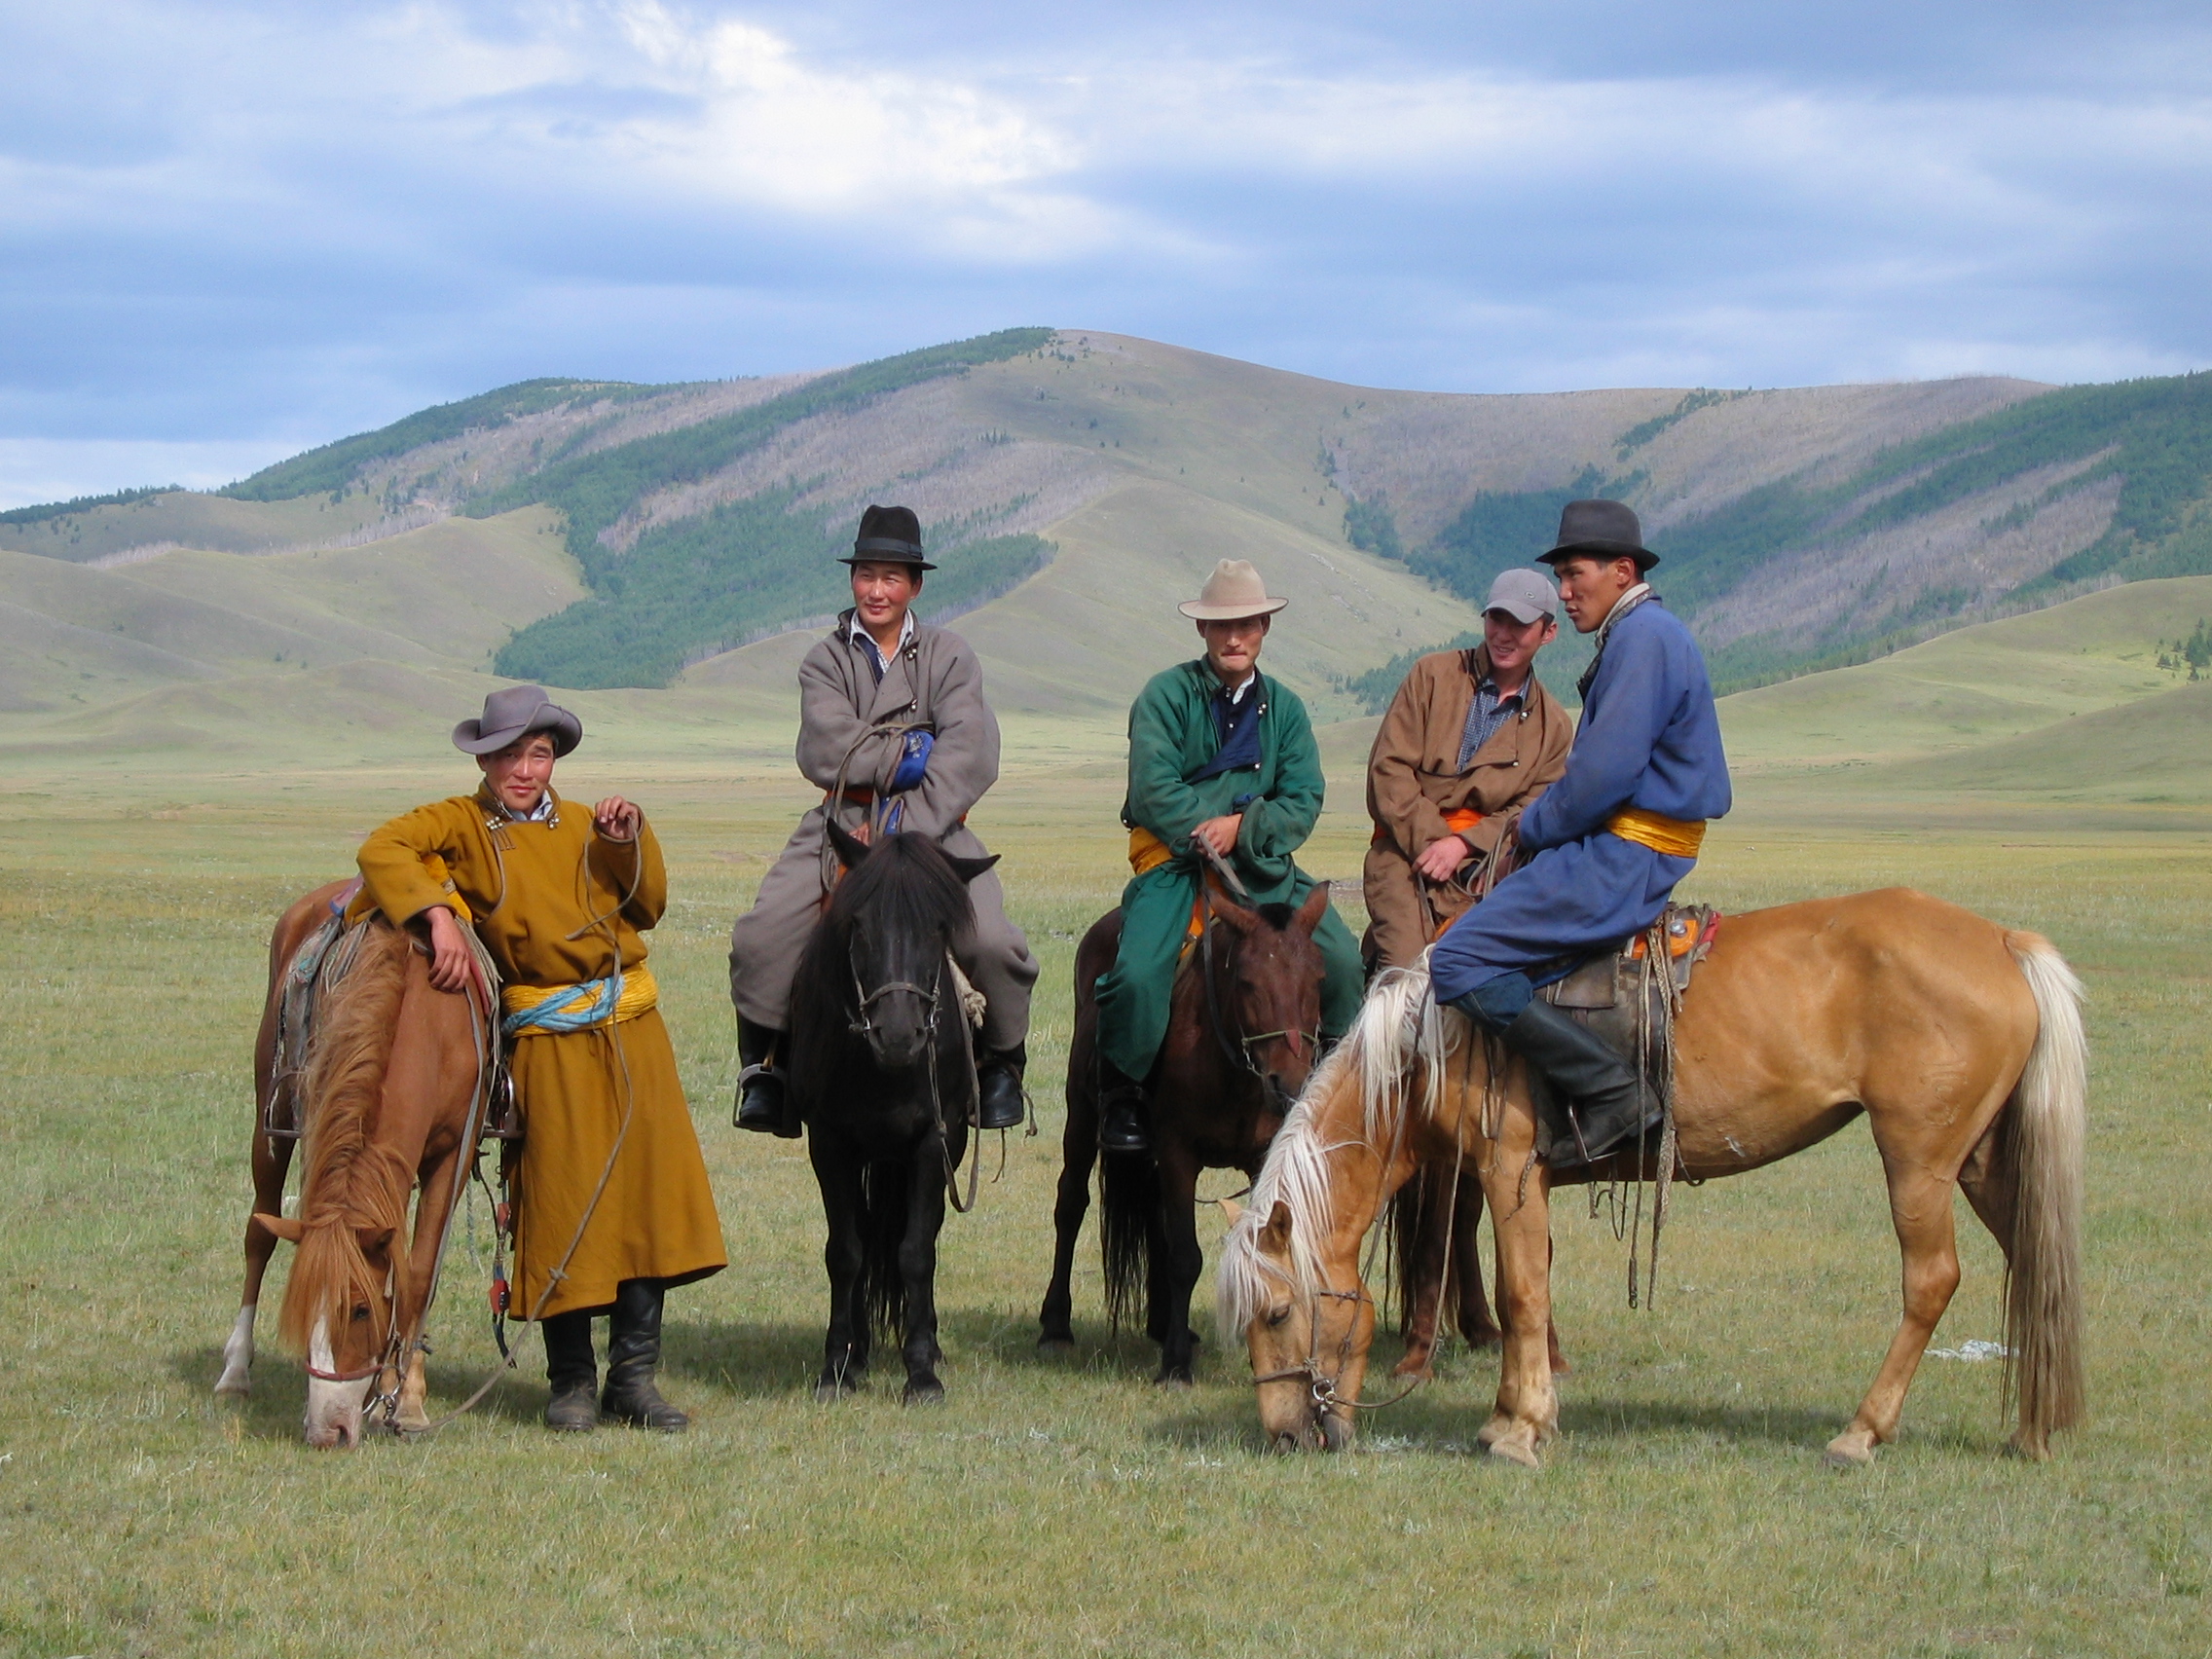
{"points": [[1524, 595]]}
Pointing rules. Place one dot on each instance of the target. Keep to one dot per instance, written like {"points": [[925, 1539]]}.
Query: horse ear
{"points": [[1230, 1208], [1234, 914], [375, 1239], [969, 868], [1310, 912], [851, 849], [285, 1227], [1276, 1233]]}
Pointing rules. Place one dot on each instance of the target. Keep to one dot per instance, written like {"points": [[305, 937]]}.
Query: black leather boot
{"points": [[1606, 1102], [763, 1104], [572, 1372], [1121, 1112], [998, 1084], [633, 1355]]}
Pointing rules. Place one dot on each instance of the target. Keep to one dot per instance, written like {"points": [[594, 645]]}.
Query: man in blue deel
{"points": [[1609, 840]]}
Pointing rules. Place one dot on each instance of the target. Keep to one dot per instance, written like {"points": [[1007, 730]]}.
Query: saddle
{"points": [[1629, 1001]]}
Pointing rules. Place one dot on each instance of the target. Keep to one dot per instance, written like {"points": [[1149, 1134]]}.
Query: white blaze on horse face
{"points": [[237, 1356], [334, 1409]]}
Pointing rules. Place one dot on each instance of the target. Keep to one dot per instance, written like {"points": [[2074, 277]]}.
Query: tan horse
{"points": [[1959, 1040], [387, 1100]]}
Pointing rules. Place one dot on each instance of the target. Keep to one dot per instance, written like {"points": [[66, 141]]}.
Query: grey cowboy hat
{"points": [[1231, 593], [1606, 528], [517, 711], [1522, 594], [889, 535]]}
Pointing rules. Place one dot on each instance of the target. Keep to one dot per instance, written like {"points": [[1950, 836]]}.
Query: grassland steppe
{"points": [[206, 702]]}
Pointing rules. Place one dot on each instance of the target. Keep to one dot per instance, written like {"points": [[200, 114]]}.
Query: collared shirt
{"points": [[541, 813], [876, 657], [1487, 714]]}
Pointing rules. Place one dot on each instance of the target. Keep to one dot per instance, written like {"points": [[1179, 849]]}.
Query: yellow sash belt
{"points": [[1678, 838], [1147, 851], [640, 993]]}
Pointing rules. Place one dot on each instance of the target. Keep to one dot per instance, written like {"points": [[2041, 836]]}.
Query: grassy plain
{"points": [[1064, 1506]]}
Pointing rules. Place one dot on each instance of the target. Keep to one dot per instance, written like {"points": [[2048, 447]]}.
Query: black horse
{"points": [[883, 1076]]}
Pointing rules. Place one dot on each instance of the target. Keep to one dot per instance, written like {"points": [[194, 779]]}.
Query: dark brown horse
{"points": [[1243, 1020], [388, 1091]]}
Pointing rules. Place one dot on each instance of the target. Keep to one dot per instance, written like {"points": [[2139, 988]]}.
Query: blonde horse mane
{"points": [[1399, 1027], [349, 1184]]}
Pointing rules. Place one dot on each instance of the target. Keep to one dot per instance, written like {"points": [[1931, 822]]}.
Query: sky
{"points": [[229, 232]]}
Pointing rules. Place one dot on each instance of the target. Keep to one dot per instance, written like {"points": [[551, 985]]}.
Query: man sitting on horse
{"points": [[1223, 770], [1470, 739], [611, 1201], [893, 726], [1610, 839]]}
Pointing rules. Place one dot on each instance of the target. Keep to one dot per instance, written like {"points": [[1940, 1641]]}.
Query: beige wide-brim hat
{"points": [[1233, 591]]}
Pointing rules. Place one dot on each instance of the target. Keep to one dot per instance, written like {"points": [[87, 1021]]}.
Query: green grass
{"points": [[1063, 1506]]}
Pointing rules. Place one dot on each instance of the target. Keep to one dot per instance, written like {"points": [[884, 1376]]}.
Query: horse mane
{"points": [[348, 1182], [1399, 1025], [904, 887]]}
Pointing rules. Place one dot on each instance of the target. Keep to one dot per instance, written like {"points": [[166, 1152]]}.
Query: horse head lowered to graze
{"points": [[390, 1085], [1959, 1040], [883, 1074]]}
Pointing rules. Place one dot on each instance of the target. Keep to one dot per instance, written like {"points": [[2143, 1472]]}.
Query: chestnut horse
{"points": [[1958, 1038], [390, 1092]]}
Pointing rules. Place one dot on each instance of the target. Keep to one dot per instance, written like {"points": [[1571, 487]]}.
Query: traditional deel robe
{"points": [[933, 680], [1417, 794], [533, 889], [1172, 738], [1622, 825]]}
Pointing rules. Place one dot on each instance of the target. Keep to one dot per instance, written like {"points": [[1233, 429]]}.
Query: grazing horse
{"points": [[1959, 1040], [1242, 1025], [390, 1092], [883, 1074]]}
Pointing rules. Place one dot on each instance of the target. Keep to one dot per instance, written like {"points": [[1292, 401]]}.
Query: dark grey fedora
{"points": [[517, 711], [1606, 528], [889, 535]]}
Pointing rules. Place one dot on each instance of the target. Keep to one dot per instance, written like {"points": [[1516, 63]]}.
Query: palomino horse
{"points": [[884, 1078], [391, 1087], [1241, 1031], [1959, 1040]]}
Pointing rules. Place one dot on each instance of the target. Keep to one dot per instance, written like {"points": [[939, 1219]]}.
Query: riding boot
{"points": [[999, 1103], [1121, 1110], [763, 1103], [572, 1372], [1605, 1103], [633, 1355]]}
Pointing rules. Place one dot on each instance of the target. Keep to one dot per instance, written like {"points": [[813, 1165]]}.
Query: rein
{"points": [[932, 997]]}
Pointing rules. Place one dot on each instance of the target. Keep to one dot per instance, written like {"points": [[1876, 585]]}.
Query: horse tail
{"points": [[885, 1188], [1128, 1208], [2042, 1280]]}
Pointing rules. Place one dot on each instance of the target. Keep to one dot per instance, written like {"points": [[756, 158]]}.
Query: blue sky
{"points": [[235, 231]]}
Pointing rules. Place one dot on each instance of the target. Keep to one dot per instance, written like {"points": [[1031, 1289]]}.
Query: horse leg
{"points": [[1920, 1208], [843, 1358], [432, 1212], [1177, 1264], [1079, 1151], [1526, 1413], [272, 1161], [1417, 1215], [917, 1266]]}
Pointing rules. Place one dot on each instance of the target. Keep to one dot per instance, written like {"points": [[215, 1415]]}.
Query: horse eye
{"points": [[361, 1313], [1278, 1316]]}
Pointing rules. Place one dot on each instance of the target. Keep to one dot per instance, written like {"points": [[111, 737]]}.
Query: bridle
{"points": [[1239, 1052], [932, 998], [1321, 1386]]}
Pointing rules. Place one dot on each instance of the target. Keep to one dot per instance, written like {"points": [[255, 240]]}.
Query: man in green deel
{"points": [[1218, 753]]}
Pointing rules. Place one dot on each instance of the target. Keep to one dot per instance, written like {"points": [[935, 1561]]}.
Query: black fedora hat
{"points": [[889, 535], [1606, 528], [517, 711]]}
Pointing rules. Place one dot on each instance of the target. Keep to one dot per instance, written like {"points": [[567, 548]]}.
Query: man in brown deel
{"points": [[1470, 739]]}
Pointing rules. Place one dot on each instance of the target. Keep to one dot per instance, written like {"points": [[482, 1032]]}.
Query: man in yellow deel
{"points": [[561, 895]]}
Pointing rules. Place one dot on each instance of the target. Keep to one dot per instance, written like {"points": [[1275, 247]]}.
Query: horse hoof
{"points": [[230, 1389], [830, 1390], [1853, 1448], [1174, 1380], [1488, 1435], [1517, 1448], [1054, 1343], [929, 1394], [1414, 1366]]}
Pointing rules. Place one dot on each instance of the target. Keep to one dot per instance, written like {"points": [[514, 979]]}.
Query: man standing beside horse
{"points": [[1223, 769], [893, 723], [1610, 839]]}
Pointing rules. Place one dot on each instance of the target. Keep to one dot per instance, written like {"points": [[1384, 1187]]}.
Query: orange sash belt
{"points": [[1458, 821], [1678, 838]]}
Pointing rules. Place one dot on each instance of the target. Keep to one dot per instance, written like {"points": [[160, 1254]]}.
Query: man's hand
{"points": [[1220, 833], [451, 968], [1442, 859], [616, 819]]}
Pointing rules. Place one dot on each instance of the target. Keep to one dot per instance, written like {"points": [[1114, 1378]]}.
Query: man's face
{"points": [[1589, 587], [1233, 648], [882, 592], [1512, 641], [520, 773]]}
